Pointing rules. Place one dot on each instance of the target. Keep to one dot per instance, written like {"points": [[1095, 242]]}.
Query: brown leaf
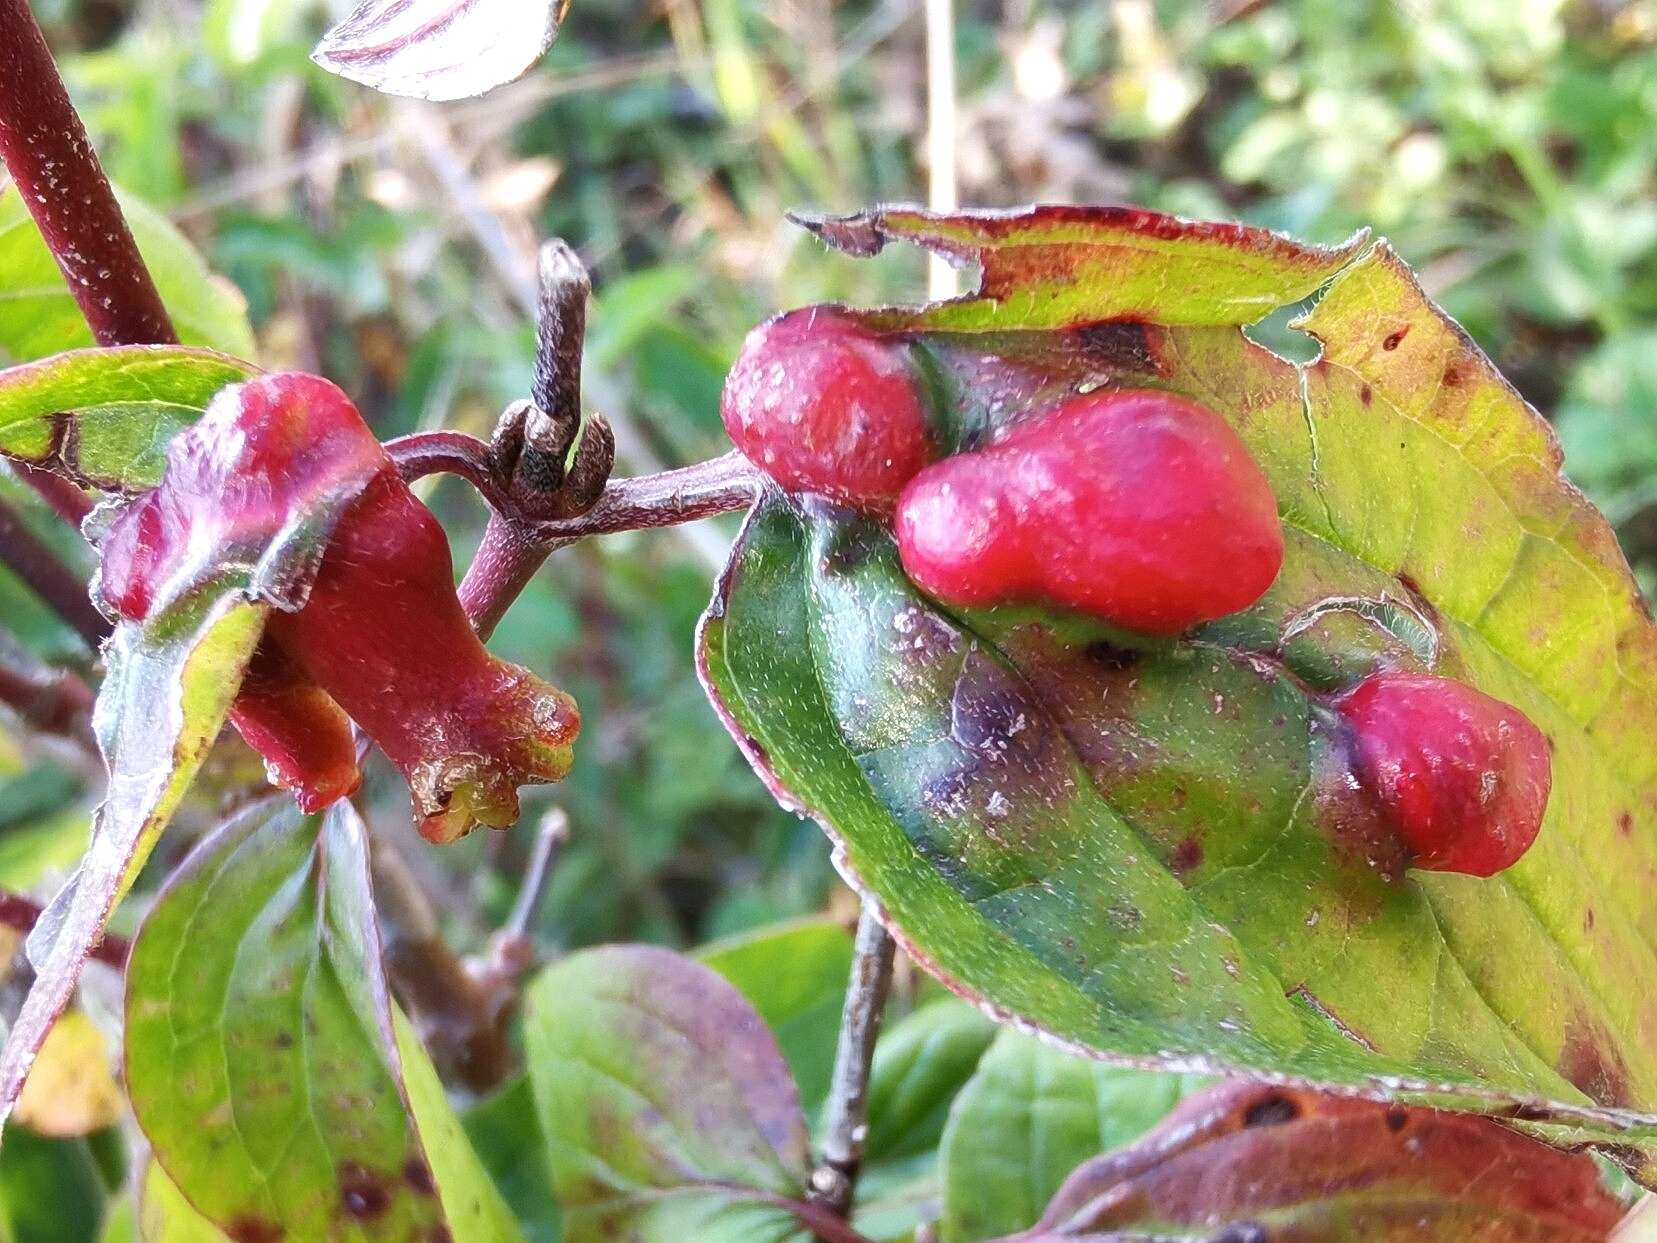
{"points": [[1263, 1164]]}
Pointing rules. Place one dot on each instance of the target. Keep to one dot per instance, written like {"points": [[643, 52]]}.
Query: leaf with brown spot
{"points": [[1147, 849], [277, 1085], [1267, 1164]]}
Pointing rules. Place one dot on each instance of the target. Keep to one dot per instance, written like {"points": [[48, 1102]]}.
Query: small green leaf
{"points": [[38, 317], [667, 1107], [920, 1063], [795, 975], [277, 1085], [50, 1191], [1029, 1117], [506, 1135], [108, 414]]}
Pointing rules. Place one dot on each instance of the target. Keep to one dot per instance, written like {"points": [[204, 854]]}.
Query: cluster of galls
{"points": [[372, 633], [1141, 508]]}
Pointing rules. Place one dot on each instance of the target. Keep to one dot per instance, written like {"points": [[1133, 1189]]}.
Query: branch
{"points": [[845, 1125], [56, 702], [21, 914], [40, 569], [62, 184]]}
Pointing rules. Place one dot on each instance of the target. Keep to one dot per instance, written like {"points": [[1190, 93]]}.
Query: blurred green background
{"points": [[1507, 147]]}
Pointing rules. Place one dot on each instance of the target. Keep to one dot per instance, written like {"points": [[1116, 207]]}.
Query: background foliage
{"points": [[1507, 147]]}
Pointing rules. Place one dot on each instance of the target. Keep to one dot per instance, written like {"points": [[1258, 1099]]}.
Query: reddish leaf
{"points": [[1261, 1163], [440, 49]]}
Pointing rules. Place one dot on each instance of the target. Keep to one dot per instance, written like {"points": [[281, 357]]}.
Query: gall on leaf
{"points": [[1142, 508], [366, 624], [1461, 777], [823, 405]]}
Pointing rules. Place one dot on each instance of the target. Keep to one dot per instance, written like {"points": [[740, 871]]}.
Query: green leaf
{"points": [[1276, 1165], [795, 976], [166, 692], [920, 1063], [1135, 846], [108, 414], [667, 1107], [1029, 1117], [277, 1085], [165, 1216], [506, 1135], [38, 317], [50, 1191]]}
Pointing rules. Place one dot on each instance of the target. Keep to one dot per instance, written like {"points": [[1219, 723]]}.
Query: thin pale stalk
{"points": [[845, 1125]]}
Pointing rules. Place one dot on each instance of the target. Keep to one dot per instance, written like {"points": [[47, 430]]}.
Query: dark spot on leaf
{"points": [[1121, 345], [1452, 376], [362, 1193], [1272, 1110], [1109, 656], [1187, 856], [282, 1040], [1366, 394], [1625, 823], [1397, 1119], [1590, 1061], [1394, 339], [253, 1230], [418, 1175], [1588, 920]]}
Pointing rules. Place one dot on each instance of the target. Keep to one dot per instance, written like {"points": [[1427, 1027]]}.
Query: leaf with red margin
{"points": [[1141, 847], [440, 49], [1268, 1164]]}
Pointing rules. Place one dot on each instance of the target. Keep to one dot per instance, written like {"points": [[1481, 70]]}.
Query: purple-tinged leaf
{"points": [[440, 49], [279, 1088], [1273, 1165], [668, 1110]]}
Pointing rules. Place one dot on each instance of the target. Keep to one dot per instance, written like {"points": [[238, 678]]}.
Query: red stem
{"points": [[68, 501], [51, 159], [21, 914]]}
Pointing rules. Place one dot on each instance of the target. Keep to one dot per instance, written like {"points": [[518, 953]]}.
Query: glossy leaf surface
{"points": [[106, 415], [1142, 847], [440, 49], [279, 1088], [1269, 1164]]}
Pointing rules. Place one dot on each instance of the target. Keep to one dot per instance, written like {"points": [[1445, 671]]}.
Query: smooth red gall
{"points": [[1462, 778], [1141, 508], [367, 625], [824, 406]]}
